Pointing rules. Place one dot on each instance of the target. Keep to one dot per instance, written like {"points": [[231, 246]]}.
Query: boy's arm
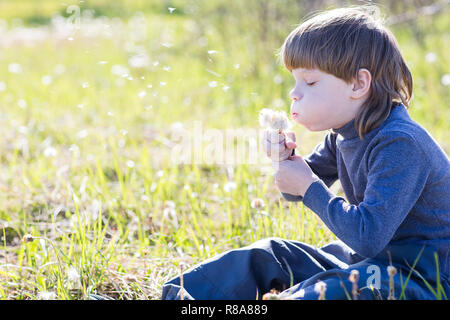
{"points": [[397, 173], [322, 162]]}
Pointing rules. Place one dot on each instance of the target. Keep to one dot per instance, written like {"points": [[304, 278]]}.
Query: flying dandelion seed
{"points": [[149, 86], [162, 83], [278, 79], [166, 68], [82, 134], [237, 66], [430, 57], [80, 106], [85, 85], [170, 204], [110, 114], [22, 104], [225, 88], [2, 86], [171, 9], [212, 51], [229, 186], [166, 44], [130, 164], [445, 80], [15, 68], [213, 73], [70, 38], [50, 152], [320, 288], [212, 84], [45, 295], [73, 275], [275, 120], [47, 80], [102, 62], [155, 63], [142, 94], [119, 70]]}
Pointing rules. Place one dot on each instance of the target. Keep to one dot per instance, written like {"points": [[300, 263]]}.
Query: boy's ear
{"points": [[361, 85]]}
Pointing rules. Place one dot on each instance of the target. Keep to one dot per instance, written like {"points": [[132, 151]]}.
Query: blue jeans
{"points": [[294, 268]]}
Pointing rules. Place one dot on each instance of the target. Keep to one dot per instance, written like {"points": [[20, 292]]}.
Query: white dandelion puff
{"points": [[257, 203], [320, 288], [15, 68], [430, 57], [229, 186], [50, 152], [47, 80], [46, 295], [130, 164], [275, 120], [445, 80], [73, 275]]}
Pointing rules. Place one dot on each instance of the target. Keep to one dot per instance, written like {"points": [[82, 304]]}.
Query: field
{"points": [[94, 98]]}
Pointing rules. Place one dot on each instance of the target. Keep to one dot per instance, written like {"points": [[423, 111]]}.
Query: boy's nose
{"points": [[294, 95]]}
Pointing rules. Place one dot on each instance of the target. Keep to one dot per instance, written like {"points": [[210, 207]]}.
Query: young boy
{"points": [[351, 79]]}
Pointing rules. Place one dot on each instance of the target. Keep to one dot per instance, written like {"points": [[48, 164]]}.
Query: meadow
{"points": [[94, 94]]}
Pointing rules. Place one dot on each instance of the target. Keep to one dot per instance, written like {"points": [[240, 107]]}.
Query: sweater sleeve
{"points": [[397, 173], [322, 162]]}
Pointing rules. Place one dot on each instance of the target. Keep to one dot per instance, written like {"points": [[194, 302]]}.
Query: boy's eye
{"points": [[311, 83]]}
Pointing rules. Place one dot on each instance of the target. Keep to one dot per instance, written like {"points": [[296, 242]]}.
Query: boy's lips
{"points": [[294, 114]]}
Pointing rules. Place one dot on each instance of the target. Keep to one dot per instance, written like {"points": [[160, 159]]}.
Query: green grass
{"points": [[87, 168]]}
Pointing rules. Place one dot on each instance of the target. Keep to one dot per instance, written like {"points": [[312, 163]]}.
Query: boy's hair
{"points": [[342, 41]]}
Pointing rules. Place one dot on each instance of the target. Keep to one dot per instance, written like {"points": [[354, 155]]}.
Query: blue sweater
{"points": [[396, 181]]}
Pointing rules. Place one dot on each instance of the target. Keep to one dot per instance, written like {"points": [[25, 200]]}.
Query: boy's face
{"points": [[321, 101]]}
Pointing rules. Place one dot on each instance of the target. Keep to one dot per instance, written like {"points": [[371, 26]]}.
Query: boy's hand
{"points": [[278, 147], [294, 176]]}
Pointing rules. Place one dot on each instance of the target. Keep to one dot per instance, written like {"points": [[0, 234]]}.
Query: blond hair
{"points": [[341, 42]]}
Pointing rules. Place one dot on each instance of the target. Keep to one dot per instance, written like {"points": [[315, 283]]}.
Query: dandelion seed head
{"points": [[257, 203], [15, 68], [354, 276], [47, 80], [46, 295], [391, 270], [430, 57], [73, 275], [445, 80], [50, 152], [28, 238], [229, 186], [320, 287]]}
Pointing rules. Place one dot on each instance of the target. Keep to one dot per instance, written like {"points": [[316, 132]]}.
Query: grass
{"points": [[85, 161]]}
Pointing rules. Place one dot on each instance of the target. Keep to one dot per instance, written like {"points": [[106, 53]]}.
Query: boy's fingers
{"points": [[290, 140], [291, 136]]}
